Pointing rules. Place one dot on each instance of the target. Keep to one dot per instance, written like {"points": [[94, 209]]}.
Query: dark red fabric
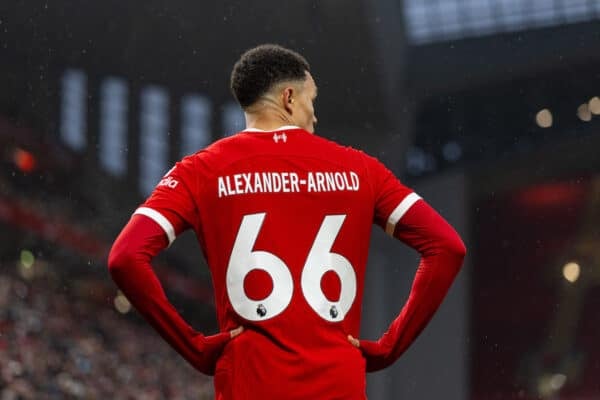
{"points": [[442, 253], [320, 214], [129, 266]]}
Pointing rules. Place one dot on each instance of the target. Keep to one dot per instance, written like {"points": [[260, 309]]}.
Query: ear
{"points": [[288, 95]]}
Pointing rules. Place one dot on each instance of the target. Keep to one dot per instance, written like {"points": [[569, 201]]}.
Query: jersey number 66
{"points": [[319, 261]]}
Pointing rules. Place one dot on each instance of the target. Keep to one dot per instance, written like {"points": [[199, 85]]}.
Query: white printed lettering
{"points": [[237, 178], [312, 186], [281, 182], [355, 181], [222, 189], [267, 182], [168, 182], [276, 183], [329, 181], [258, 187], [247, 181], [229, 188], [321, 182], [294, 182], [285, 182], [339, 181]]}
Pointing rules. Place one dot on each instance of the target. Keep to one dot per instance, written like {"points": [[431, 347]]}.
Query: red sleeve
{"points": [[442, 251], [392, 198], [130, 268], [172, 204]]}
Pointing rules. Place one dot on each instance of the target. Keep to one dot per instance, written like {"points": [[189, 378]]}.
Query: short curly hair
{"points": [[261, 67]]}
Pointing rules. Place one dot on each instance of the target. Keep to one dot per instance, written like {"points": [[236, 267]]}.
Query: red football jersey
{"points": [[284, 219]]}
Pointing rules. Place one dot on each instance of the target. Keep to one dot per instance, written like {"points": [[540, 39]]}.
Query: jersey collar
{"points": [[272, 130]]}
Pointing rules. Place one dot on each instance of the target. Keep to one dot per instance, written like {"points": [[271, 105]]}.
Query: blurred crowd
{"points": [[57, 345]]}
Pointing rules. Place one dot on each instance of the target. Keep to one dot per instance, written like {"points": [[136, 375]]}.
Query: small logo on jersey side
{"points": [[261, 310], [333, 312], [282, 137], [168, 182]]}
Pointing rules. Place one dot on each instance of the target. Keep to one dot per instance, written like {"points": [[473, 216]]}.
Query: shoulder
{"points": [[374, 168], [212, 158], [333, 146], [215, 147]]}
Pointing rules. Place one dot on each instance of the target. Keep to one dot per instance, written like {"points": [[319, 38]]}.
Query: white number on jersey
{"points": [[319, 261], [243, 260]]}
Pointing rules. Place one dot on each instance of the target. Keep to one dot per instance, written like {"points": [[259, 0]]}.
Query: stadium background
{"points": [[488, 108]]}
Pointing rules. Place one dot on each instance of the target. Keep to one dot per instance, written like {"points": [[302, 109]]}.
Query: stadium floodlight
{"points": [[583, 112], [594, 105], [121, 303], [571, 271], [544, 118]]}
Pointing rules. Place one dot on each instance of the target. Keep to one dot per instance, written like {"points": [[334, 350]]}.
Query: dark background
{"points": [[445, 92]]}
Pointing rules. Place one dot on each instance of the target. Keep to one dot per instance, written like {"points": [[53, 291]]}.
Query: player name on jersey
{"points": [[287, 182]]}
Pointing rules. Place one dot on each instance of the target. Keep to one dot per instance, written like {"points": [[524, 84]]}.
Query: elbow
{"points": [[458, 248], [120, 257], [138, 242], [455, 248]]}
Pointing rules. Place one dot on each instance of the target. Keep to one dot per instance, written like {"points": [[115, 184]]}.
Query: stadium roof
{"points": [[429, 21]]}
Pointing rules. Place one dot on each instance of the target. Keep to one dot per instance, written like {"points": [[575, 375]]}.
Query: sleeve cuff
{"points": [[160, 219], [399, 212]]}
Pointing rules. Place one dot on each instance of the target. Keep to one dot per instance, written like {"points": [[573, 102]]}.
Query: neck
{"points": [[267, 119]]}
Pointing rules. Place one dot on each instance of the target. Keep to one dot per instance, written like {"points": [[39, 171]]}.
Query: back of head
{"points": [[261, 68]]}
